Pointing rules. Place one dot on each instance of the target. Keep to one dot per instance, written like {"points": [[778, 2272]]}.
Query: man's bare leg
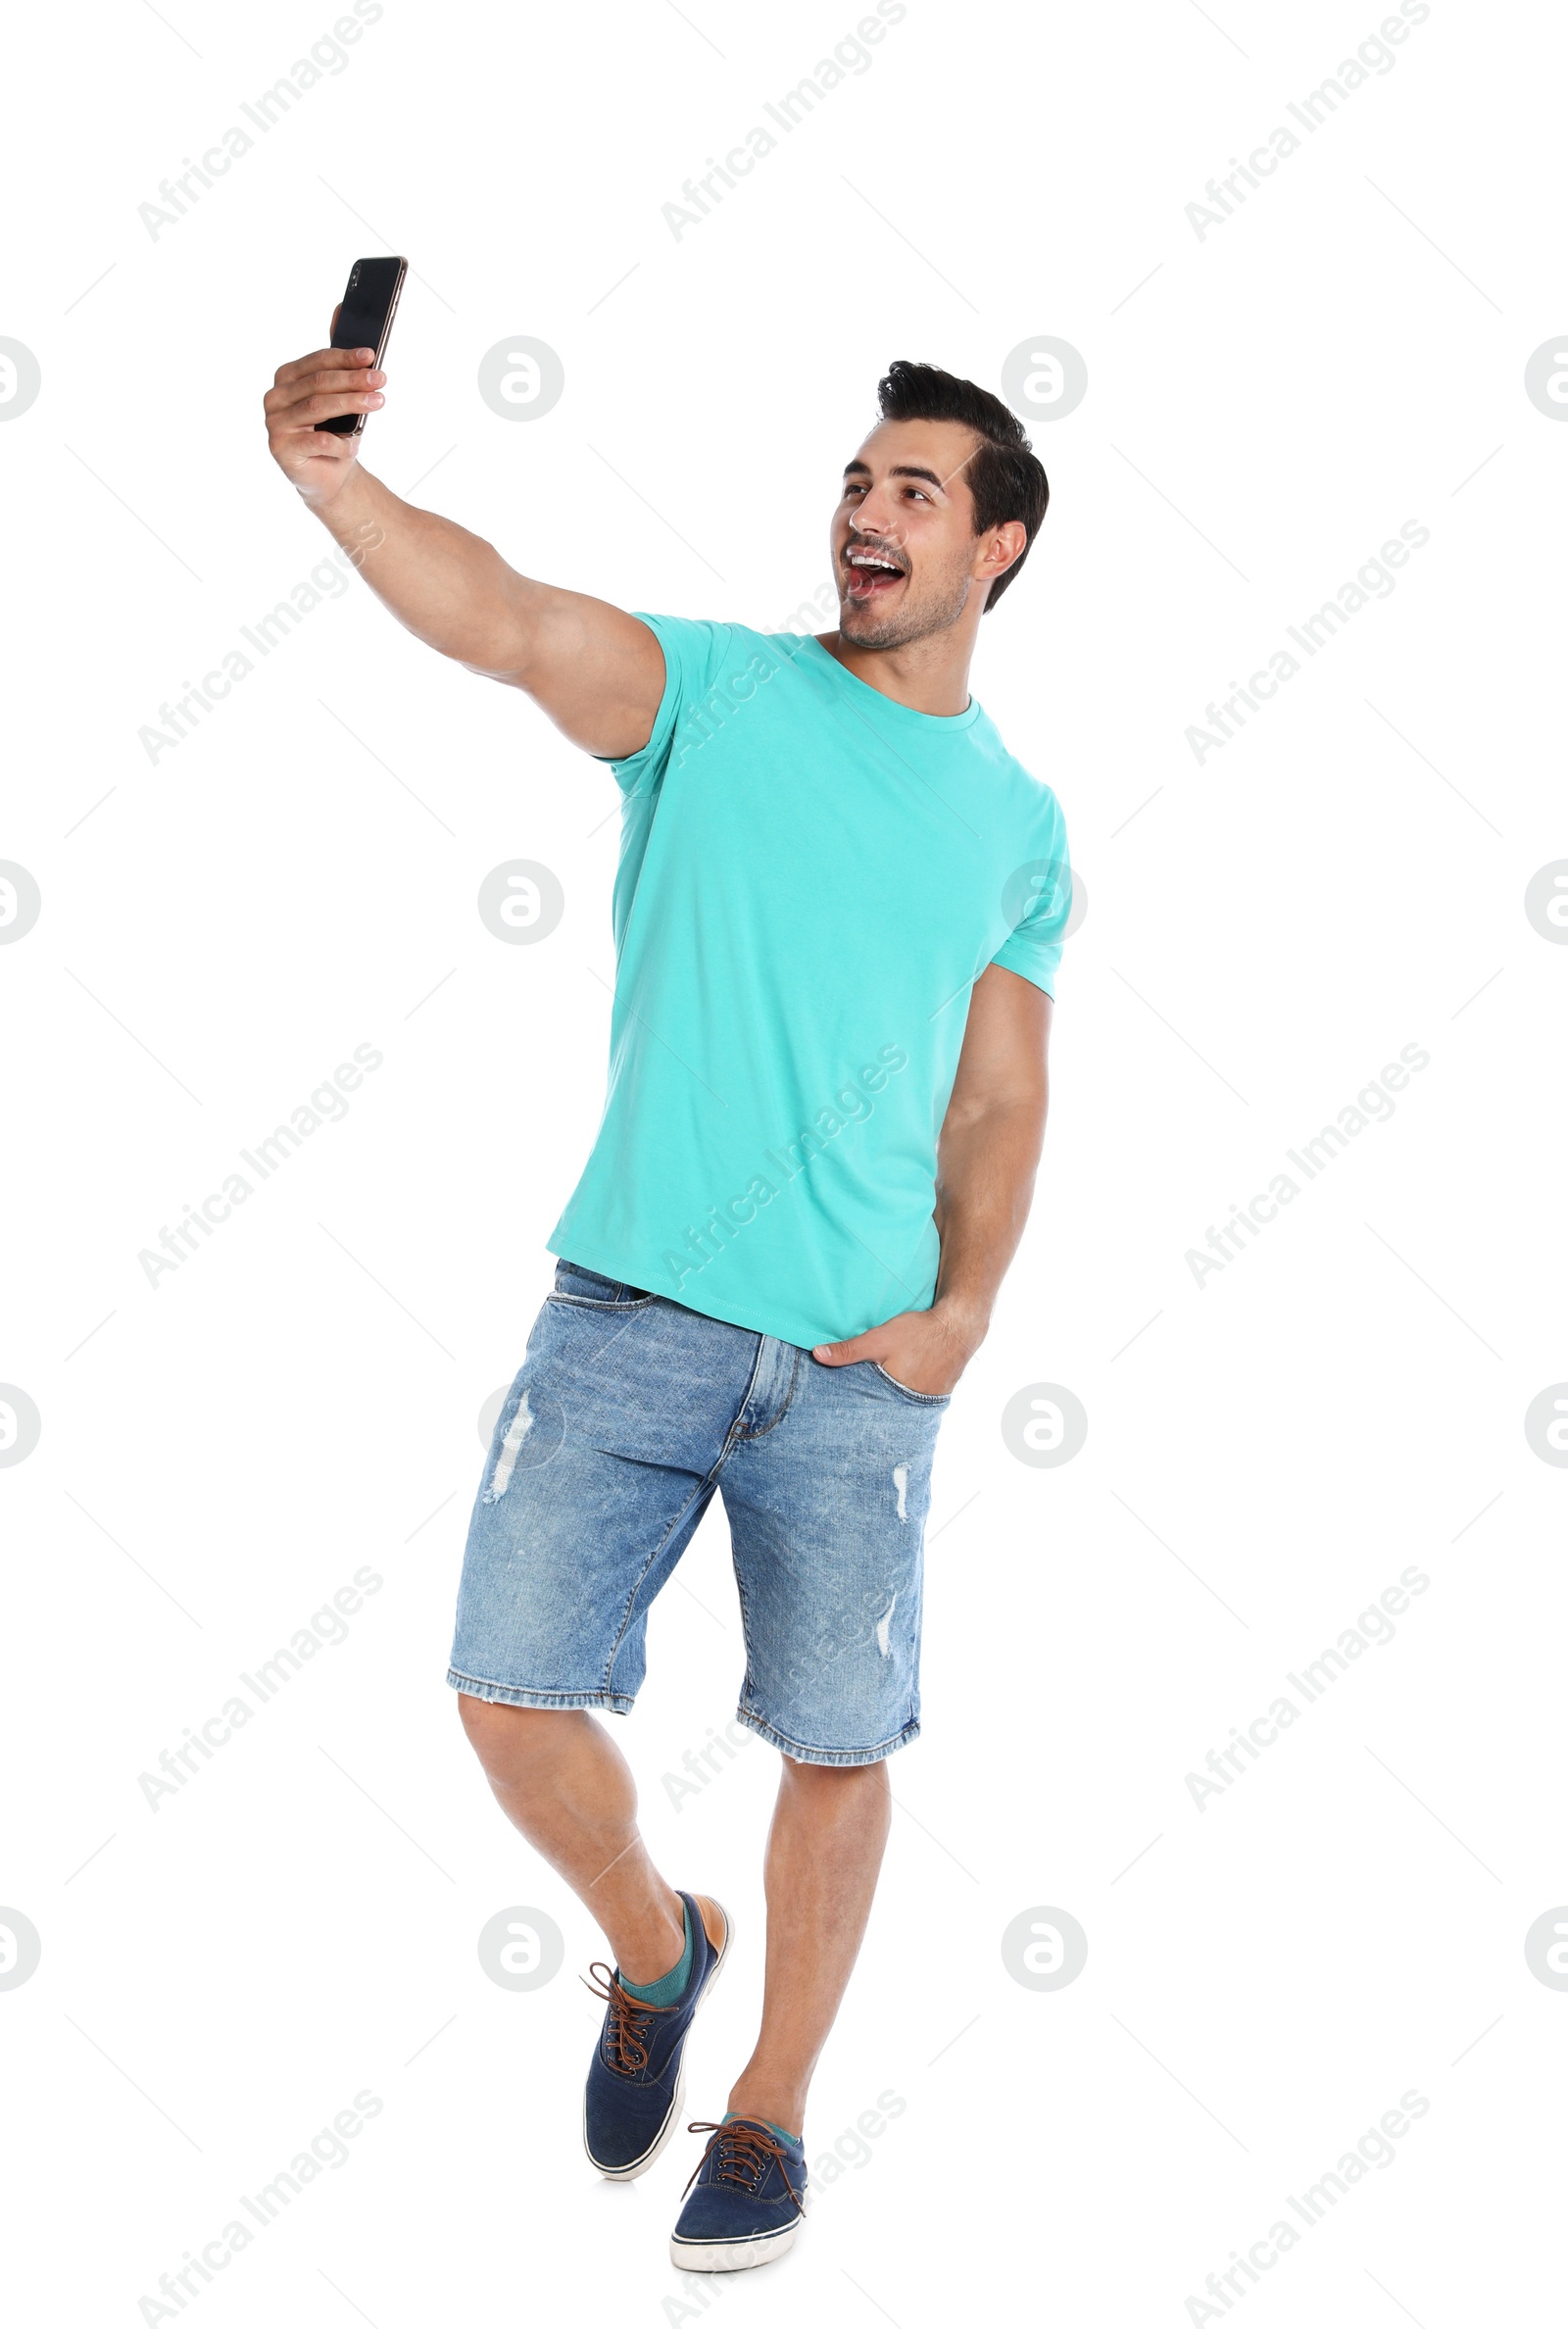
{"points": [[564, 1783], [824, 1851], [561, 1779]]}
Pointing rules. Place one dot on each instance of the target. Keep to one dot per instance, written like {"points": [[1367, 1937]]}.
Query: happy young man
{"points": [[838, 914]]}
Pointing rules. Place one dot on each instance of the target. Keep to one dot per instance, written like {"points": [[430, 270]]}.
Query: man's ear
{"points": [[1003, 546]]}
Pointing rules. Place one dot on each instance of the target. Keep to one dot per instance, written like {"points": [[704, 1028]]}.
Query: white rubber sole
{"points": [[731, 2256], [671, 2119]]}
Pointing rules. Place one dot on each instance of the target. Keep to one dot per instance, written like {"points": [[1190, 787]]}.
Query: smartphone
{"points": [[365, 322]]}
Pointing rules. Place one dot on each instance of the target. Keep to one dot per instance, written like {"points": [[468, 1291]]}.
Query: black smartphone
{"points": [[365, 321]]}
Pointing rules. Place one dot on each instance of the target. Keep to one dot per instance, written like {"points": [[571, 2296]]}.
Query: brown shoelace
{"points": [[753, 2150], [628, 2018]]}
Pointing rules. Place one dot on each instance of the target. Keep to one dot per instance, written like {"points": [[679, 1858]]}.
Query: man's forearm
{"points": [[986, 1156], [444, 585], [986, 1162], [986, 1175]]}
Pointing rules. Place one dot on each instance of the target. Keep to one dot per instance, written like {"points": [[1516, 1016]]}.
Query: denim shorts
{"points": [[627, 1414]]}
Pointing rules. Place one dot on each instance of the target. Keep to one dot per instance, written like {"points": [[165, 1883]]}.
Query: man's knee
{"points": [[833, 1783], [506, 1738]]}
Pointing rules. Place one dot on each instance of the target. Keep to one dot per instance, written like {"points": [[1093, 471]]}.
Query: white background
{"points": [[1266, 406]]}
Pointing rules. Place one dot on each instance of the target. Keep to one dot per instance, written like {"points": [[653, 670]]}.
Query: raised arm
{"points": [[986, 1156], [597, 671]]}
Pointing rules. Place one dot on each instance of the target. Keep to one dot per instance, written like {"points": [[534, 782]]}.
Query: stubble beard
{"points": [[911, 622]]}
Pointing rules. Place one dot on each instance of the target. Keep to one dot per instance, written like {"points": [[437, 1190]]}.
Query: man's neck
{"points": [[930, 674]]}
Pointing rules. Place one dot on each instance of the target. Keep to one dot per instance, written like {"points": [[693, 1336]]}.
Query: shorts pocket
{"points": [[585, 1289], [932, 1399]]}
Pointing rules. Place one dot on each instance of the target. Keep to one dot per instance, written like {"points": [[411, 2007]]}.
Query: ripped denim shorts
{"points": [[627, 1414]]}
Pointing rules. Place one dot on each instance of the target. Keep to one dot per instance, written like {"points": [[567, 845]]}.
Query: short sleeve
{"points": [[1037, 901], [693, 652]]}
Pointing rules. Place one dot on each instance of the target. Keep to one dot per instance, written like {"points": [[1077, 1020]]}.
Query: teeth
{"points": [[879, 565]]}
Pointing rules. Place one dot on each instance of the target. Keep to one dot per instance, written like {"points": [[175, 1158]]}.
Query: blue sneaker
{"points": [[636, 2085], [748, 2200]]}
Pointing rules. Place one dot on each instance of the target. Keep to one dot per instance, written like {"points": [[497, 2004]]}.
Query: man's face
{"points": [[905, 550]]}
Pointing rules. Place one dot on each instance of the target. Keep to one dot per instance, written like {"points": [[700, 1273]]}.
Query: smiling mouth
{"points": [[870, 575]]}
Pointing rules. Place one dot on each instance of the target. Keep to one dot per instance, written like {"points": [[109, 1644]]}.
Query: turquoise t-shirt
{"points": [[812, 879]]}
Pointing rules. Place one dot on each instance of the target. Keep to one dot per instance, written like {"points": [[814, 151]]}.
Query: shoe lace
{"points": [[629, 2017], [745, 2155]]}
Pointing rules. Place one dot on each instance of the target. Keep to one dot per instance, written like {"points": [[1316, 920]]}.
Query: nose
{"points": [[876, 516], [872, 525]]}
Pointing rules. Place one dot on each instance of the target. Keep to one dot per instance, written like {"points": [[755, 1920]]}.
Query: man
{"points": [[838, 913]]}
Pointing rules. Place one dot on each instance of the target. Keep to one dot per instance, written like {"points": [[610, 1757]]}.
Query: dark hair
{"points": [[1005, 476]]}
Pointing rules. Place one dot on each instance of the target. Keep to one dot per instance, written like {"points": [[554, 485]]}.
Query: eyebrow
{"points": [[905, 469]]}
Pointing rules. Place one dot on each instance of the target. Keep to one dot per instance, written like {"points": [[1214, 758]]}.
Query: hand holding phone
{"points": [[332, 391]]}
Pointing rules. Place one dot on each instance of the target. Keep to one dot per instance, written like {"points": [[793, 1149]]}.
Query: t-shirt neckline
{"points": [[936, 722]]}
